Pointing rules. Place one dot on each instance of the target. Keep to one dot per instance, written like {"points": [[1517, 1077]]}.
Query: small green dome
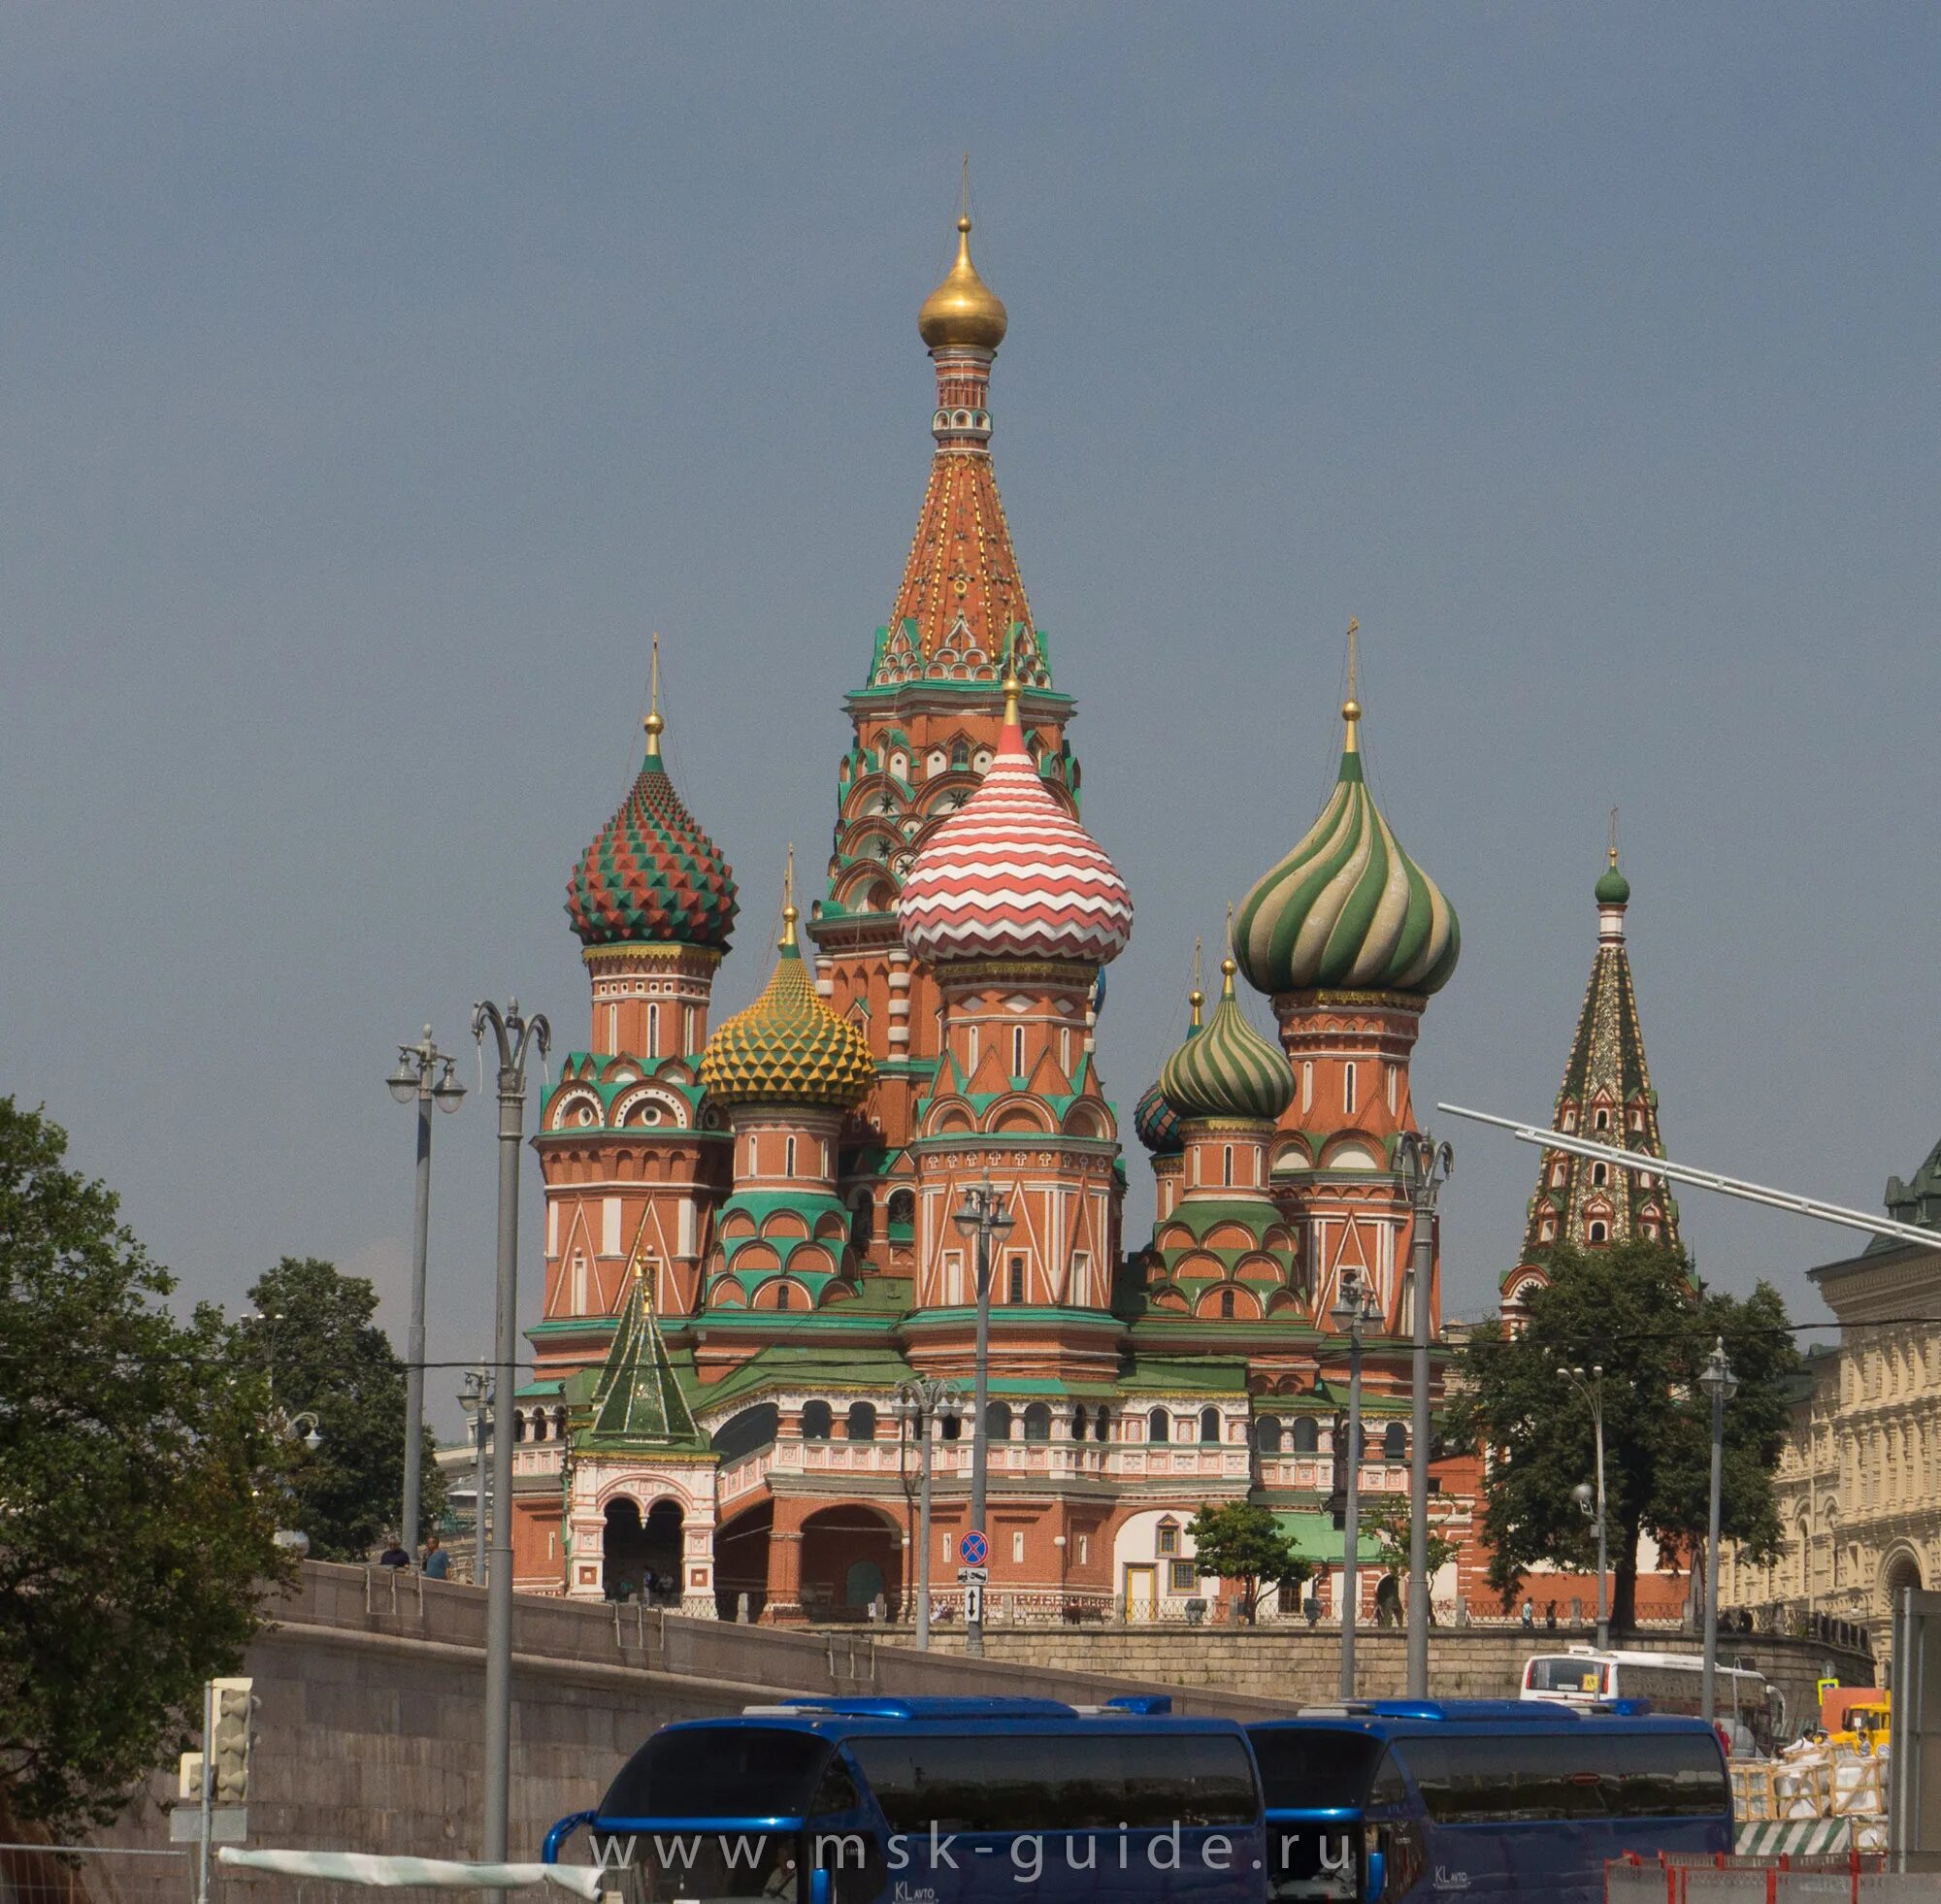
{"points": [[1227, 1068], [1614, 889], [1156, 1122]]}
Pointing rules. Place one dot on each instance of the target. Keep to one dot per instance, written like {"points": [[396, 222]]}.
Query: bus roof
{"points": [[840, 1715], [1424, 1718]]}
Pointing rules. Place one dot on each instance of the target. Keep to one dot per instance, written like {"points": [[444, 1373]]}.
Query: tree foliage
{"points": [[319, 1352], [1636, 1310], [1388, 1522], [1243, 1542], [134, 1543]]}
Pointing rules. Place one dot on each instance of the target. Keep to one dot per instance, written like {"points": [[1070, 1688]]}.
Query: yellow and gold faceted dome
{"points": [[962, 310], [788, 1047]]}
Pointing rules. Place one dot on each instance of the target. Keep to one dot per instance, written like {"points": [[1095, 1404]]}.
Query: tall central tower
{"points": [[928, 722]]}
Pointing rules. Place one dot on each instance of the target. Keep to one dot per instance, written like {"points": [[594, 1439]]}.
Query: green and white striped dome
{"points": [[1227, 1068], [1347, 911]]}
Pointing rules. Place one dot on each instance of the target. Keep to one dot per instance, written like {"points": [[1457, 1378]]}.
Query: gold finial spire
{"points": [[653, 723], [963, 310], [1013, 689], [636, 1265], [1614, 839], [789, 913], [1196, 997], [1351, 709], [1228, 965]]}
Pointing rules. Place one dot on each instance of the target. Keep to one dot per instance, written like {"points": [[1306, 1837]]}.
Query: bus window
{"points": [[1056, 1783], [1307, 1769], [1508, 1780], [1563, 1672]]}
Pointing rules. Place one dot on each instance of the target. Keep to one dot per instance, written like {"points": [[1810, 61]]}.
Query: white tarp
{"points": [[393, 1873]]}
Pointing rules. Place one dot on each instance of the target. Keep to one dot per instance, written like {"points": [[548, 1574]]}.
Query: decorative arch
{"points": [[650, 1106]]}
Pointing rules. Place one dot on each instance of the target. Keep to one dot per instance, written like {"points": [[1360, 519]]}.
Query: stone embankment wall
{"points": [[1306, 1667], [372, 1690]]}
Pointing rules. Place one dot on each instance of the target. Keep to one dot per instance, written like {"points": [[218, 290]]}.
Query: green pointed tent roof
{"points": [[638, 1402]]}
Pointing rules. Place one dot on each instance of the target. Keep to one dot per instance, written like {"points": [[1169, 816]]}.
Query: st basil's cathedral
{"points": [[752, 1241]]}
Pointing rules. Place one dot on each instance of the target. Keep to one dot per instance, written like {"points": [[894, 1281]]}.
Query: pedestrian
{"points": [[393, 1556], [437, 1562], [1528, 1614], [1550, 1615]]}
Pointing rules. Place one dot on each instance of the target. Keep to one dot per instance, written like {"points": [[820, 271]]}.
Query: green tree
{"points": [[1388, 1522], [1637, 1310], [1243, 1543], [134, 1542], [319, 1351]]}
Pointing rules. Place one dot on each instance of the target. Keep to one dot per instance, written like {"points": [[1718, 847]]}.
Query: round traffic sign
{"points": [[974, 1549]]}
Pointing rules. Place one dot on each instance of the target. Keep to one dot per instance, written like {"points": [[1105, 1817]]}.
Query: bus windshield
{"points": [[713, 1817], [1563, 1672]]}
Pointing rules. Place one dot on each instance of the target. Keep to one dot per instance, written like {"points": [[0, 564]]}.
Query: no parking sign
{"points": [[974, 1549]]}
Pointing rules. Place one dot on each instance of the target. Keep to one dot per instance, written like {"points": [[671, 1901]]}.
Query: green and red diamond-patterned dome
{"points": [[651, 875]]}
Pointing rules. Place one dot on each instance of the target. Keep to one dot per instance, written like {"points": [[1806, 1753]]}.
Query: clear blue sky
{"points": [[378, 378]]}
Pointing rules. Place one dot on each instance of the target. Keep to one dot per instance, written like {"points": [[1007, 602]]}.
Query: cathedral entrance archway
{"points": [[850, 1555], [661, 1549], [741, 1561], [623, 1547], [1902, 1568]]}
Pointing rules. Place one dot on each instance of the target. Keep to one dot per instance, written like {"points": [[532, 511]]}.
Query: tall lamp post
{"points": [[1589, 1384], [476, 1398], [981, 1215], [1720, 1385], [1426, 1167], [921, 1402], [423, 1072], [516, 1035], [1352, 1310]]}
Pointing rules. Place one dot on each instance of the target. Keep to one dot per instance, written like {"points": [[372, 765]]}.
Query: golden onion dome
{"points": [[962, 310]]}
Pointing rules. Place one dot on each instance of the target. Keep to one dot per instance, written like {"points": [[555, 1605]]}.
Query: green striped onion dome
{"points": [[1227, 1068], [1347, 911], [788, 1047], [653, 876]]}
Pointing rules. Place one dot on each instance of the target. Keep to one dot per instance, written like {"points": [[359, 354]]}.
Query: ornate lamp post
{"points": [[1353, 1308], [1720, 1384], [423, 1072], [981, 1215], [516, 1035], [475, 1398], [921, 1402], [1590, 1386], [1426, 1167]]}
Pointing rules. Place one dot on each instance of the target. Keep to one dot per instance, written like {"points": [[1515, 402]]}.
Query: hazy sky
{"points": [[378, 378]]}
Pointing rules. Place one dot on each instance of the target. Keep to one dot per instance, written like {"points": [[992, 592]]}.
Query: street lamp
{"points": [[423, 1072], [920, 1401], [1590, 1386], [981, 1215], [515, 1036], [1353, 1308], [476, 1398], [1426, 1167], [1720, 1384]]}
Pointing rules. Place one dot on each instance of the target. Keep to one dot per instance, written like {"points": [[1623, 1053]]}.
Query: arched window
{"points": [[538, 1425], [816, 1421], [559, 1424], [518, 1425], [1601, 1173], [952, 1428], [1102, 1424], [1165, 1542], [1226, 1305], [1394, 1442], [863, 1222], [1348, 1089], [861, 1424], [1227, 1166], [1307, 1435], [788, 1157], [1017, 1051], [903, 1214], [785, 1296], [1597, 1233], [653, 1031], [1266, 1435], [1038, 1421], [1603, 1121], [1016, 1290], [1159, 1426], [1210, 1425], [997, 1421]]}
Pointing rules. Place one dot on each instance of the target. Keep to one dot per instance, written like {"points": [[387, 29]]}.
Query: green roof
{"points": [[1317, 1539]]}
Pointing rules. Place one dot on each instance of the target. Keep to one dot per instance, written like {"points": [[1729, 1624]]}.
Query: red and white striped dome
{"points": [[1013, 875]]}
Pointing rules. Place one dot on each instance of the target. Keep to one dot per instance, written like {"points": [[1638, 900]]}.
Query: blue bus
{"points": [[1483, 1799], [935, 1801]]}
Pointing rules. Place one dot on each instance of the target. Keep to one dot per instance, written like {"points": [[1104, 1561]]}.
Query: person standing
{"points": [[437, 1562]]}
